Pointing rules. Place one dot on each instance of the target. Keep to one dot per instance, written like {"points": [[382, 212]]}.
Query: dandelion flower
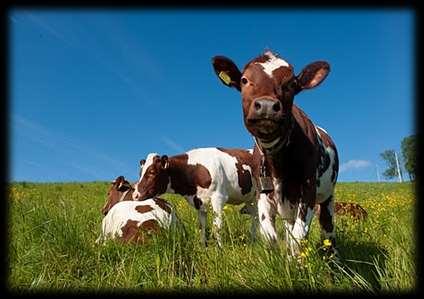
{"points": [[327, 243]]}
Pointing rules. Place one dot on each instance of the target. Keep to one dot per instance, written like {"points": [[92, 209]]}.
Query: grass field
{"points": [[52, 229]]}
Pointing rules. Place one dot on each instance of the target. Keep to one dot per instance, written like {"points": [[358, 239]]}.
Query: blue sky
{"points": [[94, 91]]}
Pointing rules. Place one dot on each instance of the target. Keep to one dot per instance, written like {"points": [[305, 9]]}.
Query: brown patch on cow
{"points": [[186, 178], [305, 125], [183, 178], [244, 177], [282, 75], [263, 217], [353, 210], [143, 209], [162, 204], [131, 233], [150, 226], [197, 202]]}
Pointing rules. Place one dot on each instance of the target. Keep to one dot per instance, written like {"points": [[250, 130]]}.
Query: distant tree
{"points": [[390, 158], [408, 147]]}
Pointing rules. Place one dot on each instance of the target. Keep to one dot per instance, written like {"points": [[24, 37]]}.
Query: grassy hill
{"points": [[52, 229]]}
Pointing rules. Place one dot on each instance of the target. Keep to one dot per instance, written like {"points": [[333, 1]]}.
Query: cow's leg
{"points": [[218, 200], [266, 214], [326, 221], [202, 216], [288, 226], [287, 211], [301, 227], [305, 213], [252, 210], [254, 222]]}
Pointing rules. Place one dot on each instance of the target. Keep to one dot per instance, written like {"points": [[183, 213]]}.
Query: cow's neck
{"points": [[180, 179], [272, 149]]}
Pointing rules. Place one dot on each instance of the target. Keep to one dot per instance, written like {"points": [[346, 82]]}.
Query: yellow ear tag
{"points": [[224, 77]]}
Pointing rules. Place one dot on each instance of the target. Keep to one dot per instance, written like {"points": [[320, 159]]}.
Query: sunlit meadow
{"points": [[52, 229]]}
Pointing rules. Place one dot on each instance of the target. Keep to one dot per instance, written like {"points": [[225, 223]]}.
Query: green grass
{"points": [[52, 229]]}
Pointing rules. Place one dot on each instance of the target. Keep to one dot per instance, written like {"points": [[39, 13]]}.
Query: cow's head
{"points": [[154, 177], [119, 190], [268, 86]]}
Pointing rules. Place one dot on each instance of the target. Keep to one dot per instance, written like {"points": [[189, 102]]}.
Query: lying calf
{"points": [[205, 175], [133, 221], [354, 210]]}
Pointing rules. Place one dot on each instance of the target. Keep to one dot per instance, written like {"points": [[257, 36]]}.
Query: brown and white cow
{"points": [[205, 175], [133, 221], [295, 162]]}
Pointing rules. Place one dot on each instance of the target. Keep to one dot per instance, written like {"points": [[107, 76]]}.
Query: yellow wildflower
{"points": [[327, 243]]}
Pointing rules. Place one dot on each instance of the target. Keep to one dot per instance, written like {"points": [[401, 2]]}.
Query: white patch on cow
{"points": [[267, 226], [149, 161], [272, 63], [284, 208], [120, 213], [326, 186], [278, 185], [321, 130], [246, 167], [223, 172], [250, 150]]}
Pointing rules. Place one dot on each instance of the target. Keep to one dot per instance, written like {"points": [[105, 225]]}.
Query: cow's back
{"points": [[230, 171]]}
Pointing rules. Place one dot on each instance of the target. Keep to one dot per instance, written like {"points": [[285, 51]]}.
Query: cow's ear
{"points": [[313, 74], [164, 163], [124, 186], [118, 180], [227, 71]]}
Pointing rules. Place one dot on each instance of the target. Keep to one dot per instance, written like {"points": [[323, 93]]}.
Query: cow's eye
{"points": [[289, 86], [244, 80]]}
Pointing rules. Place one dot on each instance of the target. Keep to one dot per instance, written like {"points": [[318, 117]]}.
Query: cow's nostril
{"points": [[276, 107], [257, 105]]}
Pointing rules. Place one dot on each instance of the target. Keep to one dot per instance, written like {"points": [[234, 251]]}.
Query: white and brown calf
{"points": [[205, 175], [133, 221], [295, 162]]}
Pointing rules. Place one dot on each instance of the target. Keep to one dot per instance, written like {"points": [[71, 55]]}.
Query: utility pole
{"points": [[378, 174], [398, 168]]}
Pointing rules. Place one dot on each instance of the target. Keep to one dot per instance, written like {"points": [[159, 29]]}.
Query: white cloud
{"points": [[354, 164]]}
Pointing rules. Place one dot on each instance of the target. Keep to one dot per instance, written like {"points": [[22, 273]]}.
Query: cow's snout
{"points": [[266, 108]]}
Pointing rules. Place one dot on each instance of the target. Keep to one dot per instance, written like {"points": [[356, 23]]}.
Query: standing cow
{"points": [[296, 162], [205, 175]]}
